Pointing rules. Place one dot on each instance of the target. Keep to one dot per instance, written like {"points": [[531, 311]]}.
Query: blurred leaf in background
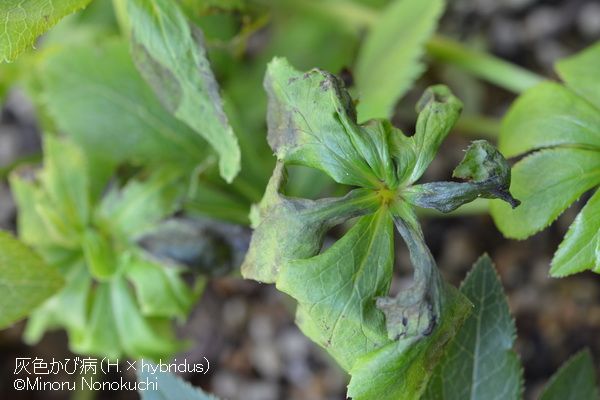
{"points": [[25, 280], [389, 59]]}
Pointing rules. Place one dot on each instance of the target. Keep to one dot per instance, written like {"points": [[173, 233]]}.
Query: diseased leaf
{"points": [[99, 100], [171, 57], [388, 61], [289, 229], [546, 182], [580, 73], [25, 280], [170, 387], [438, 112], [549, 115], [485, 168], [389, 345], [336, 290], [401, 369], [23, 21], [580, 250], [480, 362], [311, 122], [575, 380]]}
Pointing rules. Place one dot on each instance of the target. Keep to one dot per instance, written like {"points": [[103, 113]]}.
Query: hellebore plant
{"points": [[342, 291]]}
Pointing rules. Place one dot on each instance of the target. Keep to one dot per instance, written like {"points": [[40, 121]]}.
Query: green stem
{"points": [[477, 207], [356, 17], [492, 69], [478, 126]]}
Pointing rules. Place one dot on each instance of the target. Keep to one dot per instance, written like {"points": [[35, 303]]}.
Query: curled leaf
{"points": [[488, 174], [294, 228]]}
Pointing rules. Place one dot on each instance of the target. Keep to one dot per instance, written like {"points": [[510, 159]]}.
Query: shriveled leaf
{"points": [[291, 229], [580, 73], [170, 387], [171, 57], [546, 182], [389, 59], [401, 369], [96, 96], [549, 115], [580, 250], [24, 20], [336, 290], [307, 117], [25, 280], [575, 380], [480, 362], [438, 112], [486, 170]]}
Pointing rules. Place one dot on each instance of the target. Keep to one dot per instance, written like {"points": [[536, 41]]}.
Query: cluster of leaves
{"points": [[478, 364], [342, 291], [557, 128], [83, 216], [127, 118]]}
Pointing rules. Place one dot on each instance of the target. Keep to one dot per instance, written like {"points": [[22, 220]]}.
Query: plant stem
{"points": [[478, 126], [356, 17], [478, 207], [482, 65]]}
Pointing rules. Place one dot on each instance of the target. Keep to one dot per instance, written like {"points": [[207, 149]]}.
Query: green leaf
{"points": [[388, 61], [546, 182], [438, 112], [580, 73], [99, 255], [170, 387], [401, 369], [116, 326], [96, 96], [549, 115], [488, 174], [480, 362], [420, 321], [336, 290], [73, 297], [25, 280], [160, 290], [575, 380], [311, 122], [65, 179], [171, 57], [580, 250], [294, 228], [25, 20], [132, 210]]}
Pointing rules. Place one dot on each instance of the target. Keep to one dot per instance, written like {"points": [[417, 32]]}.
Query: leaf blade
{"points": [[25, 21], [174, 63], [576, 379], [25, 280], [544, 196], [388, 61], [480, 363]]}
